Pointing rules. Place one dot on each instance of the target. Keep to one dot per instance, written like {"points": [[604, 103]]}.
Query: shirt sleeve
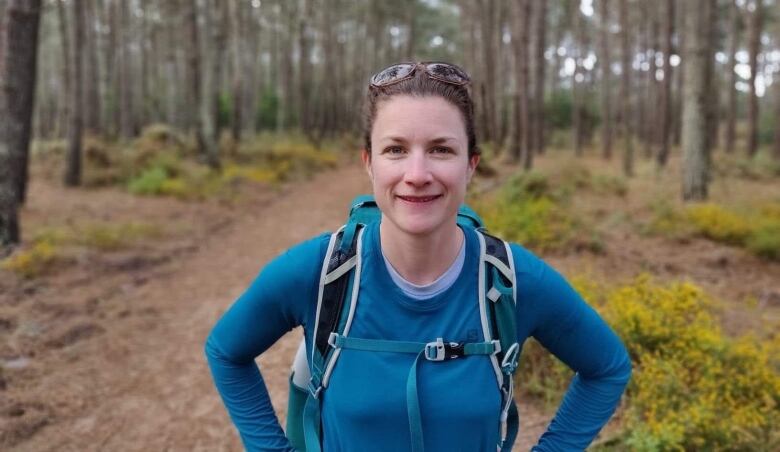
{"points": [[278, 300], [551, 311]]}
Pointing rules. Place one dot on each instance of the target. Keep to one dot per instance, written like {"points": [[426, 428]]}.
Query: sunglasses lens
{"points": [[449, 72], [392, 74]]}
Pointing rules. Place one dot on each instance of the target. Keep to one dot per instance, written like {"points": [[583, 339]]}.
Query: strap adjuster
{"points": [[440, 350]]}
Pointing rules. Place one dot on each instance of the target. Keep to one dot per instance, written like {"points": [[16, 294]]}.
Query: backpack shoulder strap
{"points": [[497, 304], [336, 303]]}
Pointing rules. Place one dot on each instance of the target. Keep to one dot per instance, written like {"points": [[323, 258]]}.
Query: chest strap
{"points": [[439, 350]]}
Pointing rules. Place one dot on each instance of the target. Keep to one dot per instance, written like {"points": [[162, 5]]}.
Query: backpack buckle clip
{"points": [[441, 351]]}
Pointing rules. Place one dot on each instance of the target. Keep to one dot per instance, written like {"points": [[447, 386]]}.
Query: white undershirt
{"points": [[442, 283]]}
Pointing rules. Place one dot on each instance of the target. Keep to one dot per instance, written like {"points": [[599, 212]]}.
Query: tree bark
{"points": [[754, 46], [18, 51], [73, 167], [126, 113], [696, 159], [208, 106], [62, 16], [625, 93], [521, 147], [666, 87], [237, 36], [305, 68], [731, 79], [537, 128], [91, 104], [577, 77], [605, 62]]}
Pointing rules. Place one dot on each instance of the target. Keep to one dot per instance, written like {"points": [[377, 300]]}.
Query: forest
{"points": [[155, 154]]}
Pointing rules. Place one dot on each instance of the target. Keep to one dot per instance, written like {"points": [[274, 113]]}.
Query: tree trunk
{"points": [[237, 36], [694, 132], [194, 73], [538, 124], [754, 46], [305, 68], [521, 9], [625, 93], [666, 87], [776, 153], [606, 80], [65, 106], [18, 51], [212, 25], [91, 103], [73, 167], [487, 31], [126, 114], [731, 79], [577, 77]]}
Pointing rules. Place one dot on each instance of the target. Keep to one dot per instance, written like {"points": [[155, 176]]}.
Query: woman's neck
{"points": [[420, 259]]}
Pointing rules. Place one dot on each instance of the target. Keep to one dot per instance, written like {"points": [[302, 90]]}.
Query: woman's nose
{"points": [[418, 171]]}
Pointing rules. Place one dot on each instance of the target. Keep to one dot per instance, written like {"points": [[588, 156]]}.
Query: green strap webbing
{"points": [[378, 345], [311, 424]]}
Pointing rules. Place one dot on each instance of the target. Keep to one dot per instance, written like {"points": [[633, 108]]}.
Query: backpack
{"points": [[336, 304]]}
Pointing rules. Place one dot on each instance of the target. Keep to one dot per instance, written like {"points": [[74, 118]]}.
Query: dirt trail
{"points": [[143, 384]]}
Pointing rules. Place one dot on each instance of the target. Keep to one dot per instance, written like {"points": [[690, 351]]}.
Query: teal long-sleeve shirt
{"points": [[364, 407]]}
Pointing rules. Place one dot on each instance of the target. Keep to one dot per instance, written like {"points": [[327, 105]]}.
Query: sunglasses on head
{"points": [[443, 72]]}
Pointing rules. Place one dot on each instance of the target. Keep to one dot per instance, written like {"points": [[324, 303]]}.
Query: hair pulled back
{"points": [[421, 85]]}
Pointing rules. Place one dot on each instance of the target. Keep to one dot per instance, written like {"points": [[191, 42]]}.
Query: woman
{"points": [[418, 282]]}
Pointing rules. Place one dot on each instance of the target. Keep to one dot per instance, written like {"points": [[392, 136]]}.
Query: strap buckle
{"points": [[440, 350], [509, 363]]}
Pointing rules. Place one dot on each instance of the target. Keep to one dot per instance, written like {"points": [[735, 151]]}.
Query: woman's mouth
{"points": [[419, 199]]}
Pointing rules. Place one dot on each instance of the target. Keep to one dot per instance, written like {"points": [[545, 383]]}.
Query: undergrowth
{"points": [[693, 388], [52, 246], [755, 228], [535, 209]]}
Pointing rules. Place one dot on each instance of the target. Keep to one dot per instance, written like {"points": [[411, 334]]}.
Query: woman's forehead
{"points": [[432, 117]]}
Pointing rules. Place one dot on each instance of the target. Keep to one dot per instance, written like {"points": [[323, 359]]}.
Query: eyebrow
{"points": [[438, 140]]}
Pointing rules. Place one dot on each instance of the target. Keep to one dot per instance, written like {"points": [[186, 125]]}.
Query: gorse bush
{"points": [[758, 230], [33, 261], [56, 245], [692, 387], [716, 223], [525, 211]]}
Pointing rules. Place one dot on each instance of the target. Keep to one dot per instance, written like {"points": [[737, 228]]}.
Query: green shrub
{"points": [[150, 182], [764, 239]]}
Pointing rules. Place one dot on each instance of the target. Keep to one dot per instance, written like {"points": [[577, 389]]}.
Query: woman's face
{"points": [[419, 164]]}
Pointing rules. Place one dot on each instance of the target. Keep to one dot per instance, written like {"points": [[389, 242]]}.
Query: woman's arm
{"points": [[552, 312], [278, 300]]}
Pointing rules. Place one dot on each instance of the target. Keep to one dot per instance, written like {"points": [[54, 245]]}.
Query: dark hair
{"points": [[421, 85]]}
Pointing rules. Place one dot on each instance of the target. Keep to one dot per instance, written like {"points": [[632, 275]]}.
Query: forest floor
{"points": [[105, 351]]}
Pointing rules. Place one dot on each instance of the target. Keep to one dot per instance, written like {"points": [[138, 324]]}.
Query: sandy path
{"points": [[144, 385]]}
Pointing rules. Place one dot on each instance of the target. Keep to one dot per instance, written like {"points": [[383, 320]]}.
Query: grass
{"points": [[53, 246]]}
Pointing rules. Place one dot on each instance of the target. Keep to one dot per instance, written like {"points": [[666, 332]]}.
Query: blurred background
{"points": [[155, 154]]}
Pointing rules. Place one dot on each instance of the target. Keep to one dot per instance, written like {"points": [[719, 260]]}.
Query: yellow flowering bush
{"points": [[692, 388], [758, 230], [716, 223], [31, 262]]}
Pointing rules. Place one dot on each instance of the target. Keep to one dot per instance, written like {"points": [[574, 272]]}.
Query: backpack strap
{"points": [[336, 303], [498, 286]]}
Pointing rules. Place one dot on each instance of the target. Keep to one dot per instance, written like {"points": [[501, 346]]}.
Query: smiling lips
{"points": [[419, 199]]}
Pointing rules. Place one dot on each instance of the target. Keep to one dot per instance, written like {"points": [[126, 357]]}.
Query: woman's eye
{"points": [[441, 150], [394, 150]]}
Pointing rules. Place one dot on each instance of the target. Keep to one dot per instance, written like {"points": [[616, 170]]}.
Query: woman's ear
{"points": [[473, 162], [365, 155]]}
